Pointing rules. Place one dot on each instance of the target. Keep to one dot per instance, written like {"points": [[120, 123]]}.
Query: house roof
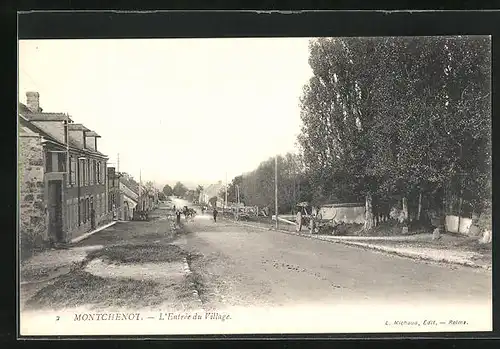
{"points": [[214, 189], [48, 117], [23, 109], [25, 123], [77, 127], [28, 114], [25, 117], [129, 192], [91, 134], [130, 199]]}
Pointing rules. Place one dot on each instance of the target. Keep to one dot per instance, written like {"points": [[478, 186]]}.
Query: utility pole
{"points": [[276, 188], [225, 198], [68, 169], [238, 192], [66, 135], [140, 183], [119, 189]]}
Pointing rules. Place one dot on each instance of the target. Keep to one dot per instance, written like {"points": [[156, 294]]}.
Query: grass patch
{"points": [[81, 288], [39, 273], [446, 243], [140, 253]]}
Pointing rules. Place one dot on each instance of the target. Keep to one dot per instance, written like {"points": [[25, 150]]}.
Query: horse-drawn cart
{"points": [[140, 216], [303, 216], [311, 217]]}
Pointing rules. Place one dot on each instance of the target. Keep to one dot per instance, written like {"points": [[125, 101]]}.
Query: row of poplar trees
{"points": [[396, 122]]}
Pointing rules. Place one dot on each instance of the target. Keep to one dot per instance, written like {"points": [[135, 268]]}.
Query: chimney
{"points": [[33, 101]]}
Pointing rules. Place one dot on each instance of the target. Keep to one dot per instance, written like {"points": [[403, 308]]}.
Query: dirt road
{"points": [[243, 266]]}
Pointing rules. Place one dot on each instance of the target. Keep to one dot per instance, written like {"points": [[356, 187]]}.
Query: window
{"points": [[72, 171], [81, 172], [98, 172], [48, 161], [103, 172], [85, 210], [91, 177], [61, 162], [94, 177], [87, 171]]}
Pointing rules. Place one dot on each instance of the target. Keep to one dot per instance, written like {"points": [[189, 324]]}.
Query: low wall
{"points": [[349, 213], [452, 224]]}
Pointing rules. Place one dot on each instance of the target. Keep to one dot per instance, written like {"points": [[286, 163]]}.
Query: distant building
{"points": [[130, 201], [115, 198], [211, 191], [62, 176]]}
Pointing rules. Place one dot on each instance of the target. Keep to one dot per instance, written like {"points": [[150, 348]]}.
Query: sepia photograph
{"points": [[293, 185]]}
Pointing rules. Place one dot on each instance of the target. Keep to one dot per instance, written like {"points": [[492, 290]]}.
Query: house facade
{"points": [[115, 197], [211, 191], [62, 177], [130, 201]]}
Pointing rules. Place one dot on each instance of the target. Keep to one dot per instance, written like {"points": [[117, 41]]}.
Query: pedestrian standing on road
{"points": [[178, 214], [215, 214]]}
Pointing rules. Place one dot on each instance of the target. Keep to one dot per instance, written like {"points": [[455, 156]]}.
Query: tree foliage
{"points": [[256, 188], [213, 201], [397, 117], [179, 189], [129, 181], [167, 190]]}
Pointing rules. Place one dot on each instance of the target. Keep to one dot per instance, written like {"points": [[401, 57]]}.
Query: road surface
{"points": [[243, 266], [266, 281]]}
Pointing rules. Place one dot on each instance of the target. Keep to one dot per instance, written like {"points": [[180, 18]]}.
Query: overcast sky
{"points": [[189, 110]]}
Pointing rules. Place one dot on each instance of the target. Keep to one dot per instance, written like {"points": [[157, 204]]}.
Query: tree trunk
{"points": [[405, 211], [405, 217], [419, 212], [368, 212], [460, 203], [442, 221]]}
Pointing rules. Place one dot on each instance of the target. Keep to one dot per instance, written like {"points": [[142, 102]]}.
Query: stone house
{"points": [[62, 176], [130, 200]]}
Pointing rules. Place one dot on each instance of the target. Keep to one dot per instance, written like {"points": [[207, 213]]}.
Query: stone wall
{"points": [[32, 206]]}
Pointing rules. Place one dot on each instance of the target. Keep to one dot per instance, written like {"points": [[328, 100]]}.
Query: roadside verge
{"points": [[405, 248]]}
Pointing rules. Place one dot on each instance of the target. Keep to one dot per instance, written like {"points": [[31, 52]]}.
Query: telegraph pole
{"points": [[225, 196], [140, 183], [119, 189], [276, 188]]}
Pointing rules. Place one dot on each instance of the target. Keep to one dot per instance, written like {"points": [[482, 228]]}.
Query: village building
{"points": [[147, 199], [211, 191], [130, 201], [62, 176], [115, 199]]}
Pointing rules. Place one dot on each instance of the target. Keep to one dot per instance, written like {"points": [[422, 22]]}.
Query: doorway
{"points": [[55, 211], [92, 214], [126, 215]]}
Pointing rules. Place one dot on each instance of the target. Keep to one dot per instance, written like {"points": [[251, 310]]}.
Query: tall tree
{"points": [[179, 189], [393, 117], [167, 190]]}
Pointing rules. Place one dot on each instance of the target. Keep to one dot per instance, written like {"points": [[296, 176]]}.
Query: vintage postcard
{"points": [[254, 185]]}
